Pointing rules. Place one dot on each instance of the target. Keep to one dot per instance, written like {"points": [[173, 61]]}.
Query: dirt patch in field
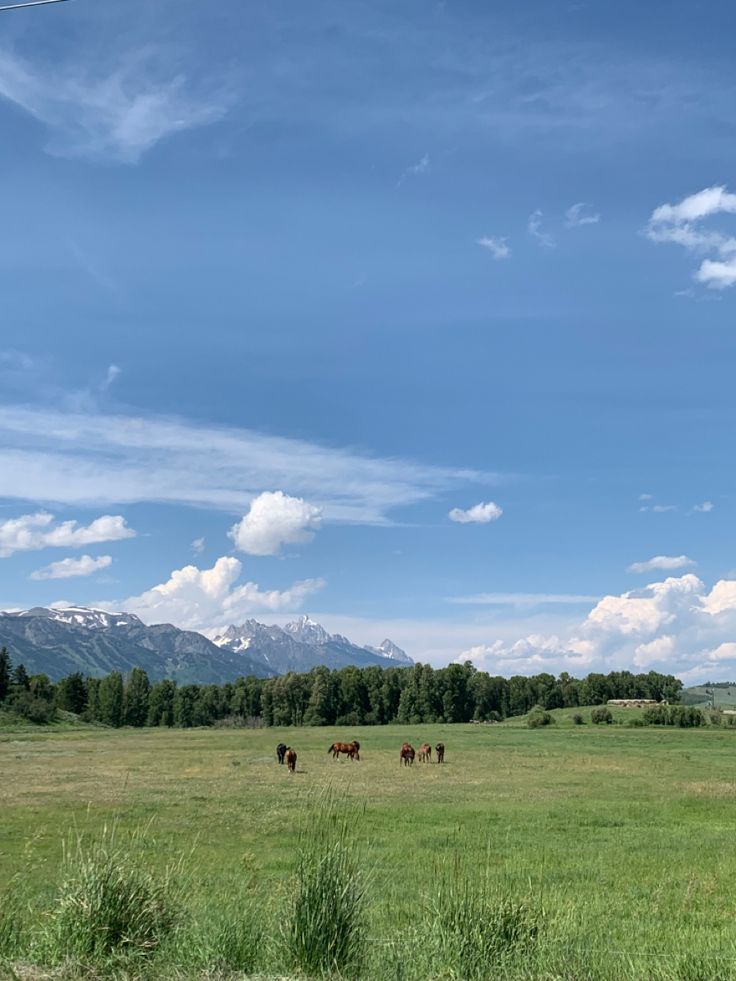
{"points": [[712, 788]]}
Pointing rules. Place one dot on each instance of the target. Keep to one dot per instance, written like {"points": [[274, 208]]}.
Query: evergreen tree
{"points": [[20, 678], [110, 700], [135, 698], [71, 694], [6, 669]]}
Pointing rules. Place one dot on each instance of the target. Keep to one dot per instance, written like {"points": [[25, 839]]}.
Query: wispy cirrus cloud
{"points": [[581, 214], [498, 247], [534, 227], [89, 457], [683, 223], [523, 599], [114, 112], [85, 565]]}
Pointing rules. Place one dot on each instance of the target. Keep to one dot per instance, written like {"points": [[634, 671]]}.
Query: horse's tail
{"points": [[331, 749]]}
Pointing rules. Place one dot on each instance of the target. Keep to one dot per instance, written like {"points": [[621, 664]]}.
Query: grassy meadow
{"points": [[616, 843]]}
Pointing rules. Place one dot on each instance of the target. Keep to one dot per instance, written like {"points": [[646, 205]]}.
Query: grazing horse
{"points": [[425, 753], [281, 752], [349, 749], [291, 759], [407, 754], [440, 748]]}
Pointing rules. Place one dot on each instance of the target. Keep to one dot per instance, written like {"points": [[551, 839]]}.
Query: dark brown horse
{"points": [[440, 749], [291, 759], [407, 754], [349, 749], [425, 753], [281, 752]]}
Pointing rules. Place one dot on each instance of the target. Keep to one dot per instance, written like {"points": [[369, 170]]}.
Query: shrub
{"points": [[539, 717], [715, 717], [636, 722], [730, 720], [108, 904], [655, 715], [578, 719], [32, 709], [685, 716], [324, 929], [601, 716]]}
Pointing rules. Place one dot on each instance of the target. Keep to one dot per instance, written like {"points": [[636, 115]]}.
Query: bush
{"points": [[655, 715], [715, 717], [324, 930], [539, 717], [636, 722], [683, 716], [31, 708], [578, 719], [108, 905], [601, 716]]}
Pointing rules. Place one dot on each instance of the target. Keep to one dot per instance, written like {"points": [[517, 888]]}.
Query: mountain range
{"points": [[58, 642]]}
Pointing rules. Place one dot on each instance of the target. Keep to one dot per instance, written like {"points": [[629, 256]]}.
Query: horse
{"points": [[349, 749], [281, 752], [407, 754], [425, 753], [291, 760], [440, 749]]}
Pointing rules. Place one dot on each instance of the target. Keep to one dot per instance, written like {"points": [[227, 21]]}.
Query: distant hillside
{"points": [[722, 694], [58, 642]]}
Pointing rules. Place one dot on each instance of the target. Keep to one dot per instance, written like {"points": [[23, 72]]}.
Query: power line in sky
{"points": [[29, 3]]}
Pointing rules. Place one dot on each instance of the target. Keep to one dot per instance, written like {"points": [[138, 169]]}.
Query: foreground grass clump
{"points": [[477, 930], [109, 905], [324, 930]]}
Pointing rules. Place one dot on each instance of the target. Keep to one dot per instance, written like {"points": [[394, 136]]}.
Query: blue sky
{"points": [[315, 276]]}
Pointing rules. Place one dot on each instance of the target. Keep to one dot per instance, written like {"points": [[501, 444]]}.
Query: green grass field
{"points": [[620, 839]]}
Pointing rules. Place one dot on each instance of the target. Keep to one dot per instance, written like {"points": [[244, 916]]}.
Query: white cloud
{"points": [[646, 497], [705, 507], [659, 508], [201, 599], [682, 224], [30, 532], [422, 166], [113, 371], [275, 519], [85, 565], [578, 215], [498, 247], [115, 111], [534, 227], [676, 625], [522, 599], [665, 563], [479, 514], [88, 457], [197, 546]]}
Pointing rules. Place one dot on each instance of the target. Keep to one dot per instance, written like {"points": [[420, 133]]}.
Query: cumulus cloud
{"points": [[85, 565], [274, 520], [676, 625], [705, 508], [31, 532], [200, 599], [665, 563], [479, 514], [107, 111], [498, 247], [683, 224], [580, 214], [534, 227]]}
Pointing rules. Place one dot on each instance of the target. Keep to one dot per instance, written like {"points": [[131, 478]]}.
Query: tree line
{"points": [[320, 697]]}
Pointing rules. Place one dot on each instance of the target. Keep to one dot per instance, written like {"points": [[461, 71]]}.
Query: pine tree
{"points": [[135, 698], [110, 700], [6, 668], [20, 678]]}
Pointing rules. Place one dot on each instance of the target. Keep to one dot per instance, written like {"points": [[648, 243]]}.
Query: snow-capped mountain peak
{"points": [[388, 649], [83, 616], [308, 631]]}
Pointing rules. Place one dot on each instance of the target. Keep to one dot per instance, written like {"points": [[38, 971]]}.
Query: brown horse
{"points": [[349, 749], [440, 748], [407, 754], [425, 753], [291, 759]]}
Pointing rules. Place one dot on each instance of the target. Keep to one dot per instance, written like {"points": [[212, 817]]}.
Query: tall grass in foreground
{"points": [[12, 923], [109, 905], [323, 929]]}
